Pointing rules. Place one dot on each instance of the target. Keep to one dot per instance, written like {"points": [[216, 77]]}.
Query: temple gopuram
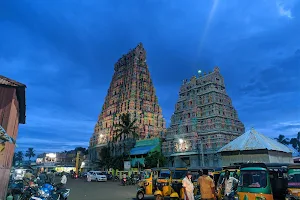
{"points": [[203, 122], [131, 91]]}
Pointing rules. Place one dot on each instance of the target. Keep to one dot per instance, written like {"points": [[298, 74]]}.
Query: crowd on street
{"points": [[207, 186]]}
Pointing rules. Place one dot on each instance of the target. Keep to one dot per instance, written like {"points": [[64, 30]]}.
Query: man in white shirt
{"points": [[188, 186], [229, 186], [64, 179]]}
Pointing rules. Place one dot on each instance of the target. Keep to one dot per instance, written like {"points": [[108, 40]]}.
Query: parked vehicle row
{"points": [[22, 190], [257, 181]]}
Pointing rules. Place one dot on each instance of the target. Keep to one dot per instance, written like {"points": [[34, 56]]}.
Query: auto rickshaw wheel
{"points": [[140, 195]]}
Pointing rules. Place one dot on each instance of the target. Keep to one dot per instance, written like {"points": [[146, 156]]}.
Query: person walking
{"points": [[229, 184], [188, 187], [43, 178], [207, 186], [63, 180], [51, 177]]}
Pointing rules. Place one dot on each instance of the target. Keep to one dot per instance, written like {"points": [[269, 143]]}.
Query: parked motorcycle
{"points": [[124, 181], [16, 189], [116, 178], [51, 192]]}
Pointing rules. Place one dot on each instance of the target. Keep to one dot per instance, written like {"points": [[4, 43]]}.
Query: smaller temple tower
{"points": [[204, 120]]}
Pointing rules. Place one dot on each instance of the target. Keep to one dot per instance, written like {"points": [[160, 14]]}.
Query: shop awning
{"points": [[141, 150]]}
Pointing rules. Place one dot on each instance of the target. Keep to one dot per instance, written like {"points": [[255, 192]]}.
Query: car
{"points": [[97, 176]]}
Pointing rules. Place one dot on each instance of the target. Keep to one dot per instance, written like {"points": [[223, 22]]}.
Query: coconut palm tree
{"points": [[126, 128], [30, 153], [294, 142], [19, 157], [282, 139]]}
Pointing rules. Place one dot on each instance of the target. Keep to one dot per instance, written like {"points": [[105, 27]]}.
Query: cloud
{"points": [[284, 12], [65, 52]]}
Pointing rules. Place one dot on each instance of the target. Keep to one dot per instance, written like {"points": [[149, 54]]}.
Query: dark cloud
{"points": [[280, 78], [287, 127], [65, 51]]}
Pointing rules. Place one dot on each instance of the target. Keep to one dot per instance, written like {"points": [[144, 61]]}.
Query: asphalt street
{"points": [[82, 190]]}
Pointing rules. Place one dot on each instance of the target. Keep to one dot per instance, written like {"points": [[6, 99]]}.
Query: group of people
{"points": [[43, 177], [207, 186]]}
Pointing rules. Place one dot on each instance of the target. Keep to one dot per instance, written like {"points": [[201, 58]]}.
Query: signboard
{"points": [[49, 164], [127, 165]]}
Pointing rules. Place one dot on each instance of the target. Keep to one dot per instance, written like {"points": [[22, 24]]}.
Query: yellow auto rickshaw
{"points": [[178, 175], [163, 184], [293, 191], [216, 175], [147, 186]]}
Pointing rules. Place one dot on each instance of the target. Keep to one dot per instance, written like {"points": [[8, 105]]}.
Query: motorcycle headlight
{"points": [[146, 183]]}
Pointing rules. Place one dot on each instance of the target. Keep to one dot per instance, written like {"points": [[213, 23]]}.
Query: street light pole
{"points": [[200, 151], [202, 154]]}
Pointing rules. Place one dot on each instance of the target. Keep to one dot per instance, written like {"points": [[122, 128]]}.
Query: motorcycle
{"points": [[16, 188], [116, 178], [50, 192], [124, 181]]}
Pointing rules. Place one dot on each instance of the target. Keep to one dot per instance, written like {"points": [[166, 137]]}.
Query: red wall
{"points": [[9, 120]]}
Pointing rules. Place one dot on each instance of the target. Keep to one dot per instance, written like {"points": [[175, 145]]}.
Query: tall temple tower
{"points": [[131, 91], [204, 121]]}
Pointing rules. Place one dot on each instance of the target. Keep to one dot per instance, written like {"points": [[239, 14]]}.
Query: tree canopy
{"points": [[30, 153], [295, 142], [154, 158], [19, 156], [126, 128]]}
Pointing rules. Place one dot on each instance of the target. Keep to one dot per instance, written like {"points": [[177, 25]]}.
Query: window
{"points": [[253, 179]]}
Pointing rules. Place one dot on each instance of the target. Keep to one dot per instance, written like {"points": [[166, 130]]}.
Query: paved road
{"points": [[82, 190]]}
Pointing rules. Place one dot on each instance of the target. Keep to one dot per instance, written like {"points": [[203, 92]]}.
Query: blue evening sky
{"points": [[64, 51]]}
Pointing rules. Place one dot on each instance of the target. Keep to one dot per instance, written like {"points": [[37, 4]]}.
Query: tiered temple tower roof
{"points": [[131, 91], [204, 115]]}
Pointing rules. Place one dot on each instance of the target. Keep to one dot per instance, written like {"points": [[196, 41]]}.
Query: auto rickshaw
{"points": [[163, 184], [147, 186], [178, 175], [234, 171], [293, 191], [216, 174], [262, 181]]}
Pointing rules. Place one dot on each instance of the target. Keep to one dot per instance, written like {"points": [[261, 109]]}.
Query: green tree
{"points": [[106, 160], [295, 143], [19, 157], [118, 162], [30, 153], [126, 128], [282, 139], [154, 158], [14, 159]]}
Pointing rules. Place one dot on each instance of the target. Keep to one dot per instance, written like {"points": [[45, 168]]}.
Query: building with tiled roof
{"points": [[253, 146]]}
